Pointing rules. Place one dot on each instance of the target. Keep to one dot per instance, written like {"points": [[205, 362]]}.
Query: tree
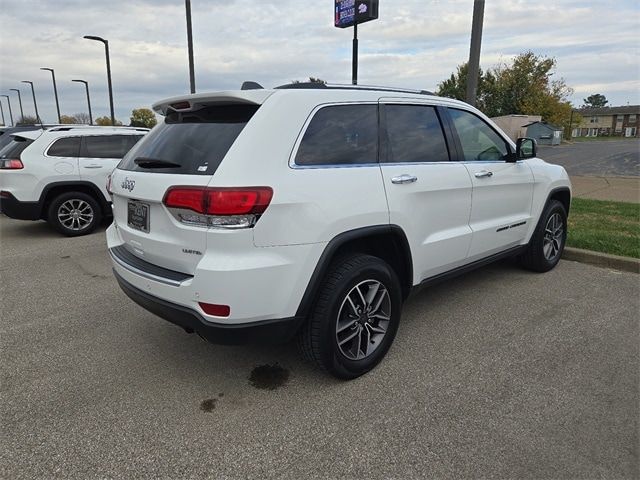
{"points": [[27, 120], [67, 119], [82, 118], [311, 80], [523, 87], [106, 121], [595, 101], [143, 117]]}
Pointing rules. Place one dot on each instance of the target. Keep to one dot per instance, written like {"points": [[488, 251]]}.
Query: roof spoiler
{"points": [[249, 85]]}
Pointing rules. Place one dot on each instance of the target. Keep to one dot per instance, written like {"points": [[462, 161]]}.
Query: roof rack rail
{"points": [[316, 85]]}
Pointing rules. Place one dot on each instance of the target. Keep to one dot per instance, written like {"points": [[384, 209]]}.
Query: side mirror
{"points": [[526, 148]]}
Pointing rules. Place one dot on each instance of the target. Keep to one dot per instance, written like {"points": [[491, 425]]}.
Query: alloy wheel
{"points": [[363, 319], [553, 233]]}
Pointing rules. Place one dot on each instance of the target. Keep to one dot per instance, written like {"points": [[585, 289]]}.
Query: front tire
{"points": [[74, 214], [355, 318], [548, 240]]}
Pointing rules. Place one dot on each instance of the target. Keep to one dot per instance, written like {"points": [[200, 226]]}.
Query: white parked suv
{"points": [[60, 174], [314, 210]]}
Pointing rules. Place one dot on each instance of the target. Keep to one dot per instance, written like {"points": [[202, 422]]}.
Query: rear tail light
{"points": [[109, 189], [224, 207], [11, 164]]}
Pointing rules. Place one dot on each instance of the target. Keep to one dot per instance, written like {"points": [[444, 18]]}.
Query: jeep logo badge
{"points": [[128, 184]]}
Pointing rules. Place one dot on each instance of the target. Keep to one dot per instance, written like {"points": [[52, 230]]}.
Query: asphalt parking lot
{"points": [[500, 373], [596, 157]]}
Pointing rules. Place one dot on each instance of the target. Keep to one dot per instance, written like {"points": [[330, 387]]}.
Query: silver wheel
{"points": [[553, 233], [75, 214], [363, 319]]}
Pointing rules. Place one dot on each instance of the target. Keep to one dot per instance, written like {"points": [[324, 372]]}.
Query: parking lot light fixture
{"points": [[2, 112], [9, 103], [19, 102], [106, 51], [55, 90], [35, 104], [86, 85]]}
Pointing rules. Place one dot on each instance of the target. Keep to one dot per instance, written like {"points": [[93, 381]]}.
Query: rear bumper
{"points": [[265, 331], [14, 208]]}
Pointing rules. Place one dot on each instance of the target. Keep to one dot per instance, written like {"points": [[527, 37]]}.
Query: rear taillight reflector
{"points": [[215, 310], [11, 164]]}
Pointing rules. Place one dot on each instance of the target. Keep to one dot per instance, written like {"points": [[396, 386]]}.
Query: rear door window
{"points": [[192, 143], [108, 146], [341, 135], [414, 134], [65, 147]]}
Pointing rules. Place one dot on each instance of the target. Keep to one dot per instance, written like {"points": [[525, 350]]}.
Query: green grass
{"points": [[609, 227]]}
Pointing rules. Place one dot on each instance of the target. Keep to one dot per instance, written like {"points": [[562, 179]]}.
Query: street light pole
{"points": [[106, 51], [86, 85], [474, 53], [10, 113], [192, 76], [55, 91], [2, 111], [19, 101], [35, 105]]}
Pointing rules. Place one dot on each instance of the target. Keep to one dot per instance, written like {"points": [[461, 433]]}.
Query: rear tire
{"points": [[74, 214], [355, 317], [548, 240]]}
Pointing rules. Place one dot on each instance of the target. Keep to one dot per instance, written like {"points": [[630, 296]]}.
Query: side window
{"points": [[479, 141], [65, 147], [415, 134], [341, 135], [107, 146]]}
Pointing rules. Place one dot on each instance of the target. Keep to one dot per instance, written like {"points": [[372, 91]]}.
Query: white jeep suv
{"points": [[60, 174], [314, 210]]}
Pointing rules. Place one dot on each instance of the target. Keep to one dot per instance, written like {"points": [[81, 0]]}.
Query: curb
{"points": [[626, 264]]}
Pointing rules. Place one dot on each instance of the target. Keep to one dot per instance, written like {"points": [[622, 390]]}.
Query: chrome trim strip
{"points": [[142, 273]]}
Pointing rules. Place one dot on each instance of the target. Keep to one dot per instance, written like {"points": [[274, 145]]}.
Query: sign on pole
{"points": [[349, 12]]}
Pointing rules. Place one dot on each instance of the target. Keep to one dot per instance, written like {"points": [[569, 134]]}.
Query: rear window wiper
{"points": [[155, 163]]}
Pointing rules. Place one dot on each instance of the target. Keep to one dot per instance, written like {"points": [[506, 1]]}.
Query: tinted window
{"points": [[194, 142], [339, 135], [15, 147], [479, 141], [108, 146], [415, 134], [65, 147]]}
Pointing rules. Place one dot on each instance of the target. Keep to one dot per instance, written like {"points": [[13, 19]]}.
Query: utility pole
{"points": [[19, 102], [192, 76], [55, 91], [474, 53], [354, 60]]}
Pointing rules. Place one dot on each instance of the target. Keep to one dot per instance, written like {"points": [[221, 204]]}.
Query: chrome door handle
{"points": [[402, 179], [483, 173], [93, 166]]}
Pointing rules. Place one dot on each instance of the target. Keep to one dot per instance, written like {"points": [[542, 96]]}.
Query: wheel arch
{"points": [[387, 242], [563, 195], [52, 190]]}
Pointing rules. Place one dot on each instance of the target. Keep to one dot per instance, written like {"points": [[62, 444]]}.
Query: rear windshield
{"points": [[191, 143], [14, 148]]}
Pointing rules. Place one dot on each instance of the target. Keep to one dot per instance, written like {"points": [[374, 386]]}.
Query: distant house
{"points": [[608, 121], [515, 125], [545, 133]]}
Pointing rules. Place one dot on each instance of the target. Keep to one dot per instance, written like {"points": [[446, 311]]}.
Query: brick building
{"points": [[608, 121]]}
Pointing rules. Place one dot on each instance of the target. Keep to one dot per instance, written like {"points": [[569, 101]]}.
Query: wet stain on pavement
{"points": [[66, 256], [208, 405], [269, 377]]}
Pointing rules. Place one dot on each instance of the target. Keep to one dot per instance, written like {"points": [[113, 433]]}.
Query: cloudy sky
{"points": [[415, 43]]}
